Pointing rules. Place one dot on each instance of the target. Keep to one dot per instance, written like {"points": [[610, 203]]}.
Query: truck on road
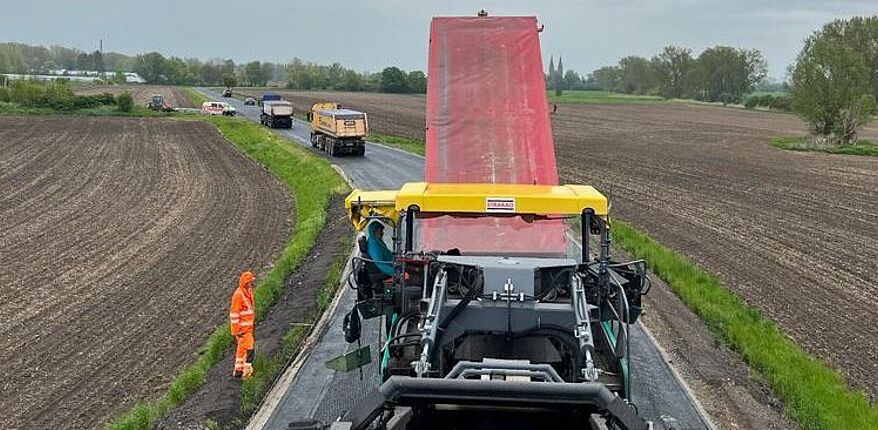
{"points": [[338, 131], [269, 97], [277, 114]]}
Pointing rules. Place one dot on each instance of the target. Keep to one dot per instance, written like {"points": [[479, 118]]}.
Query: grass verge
{"points": [[815, 395], [401, 142], [313, 182], [602, 97], [8, 108], [194, 96], [266, 370], [863, 147]]}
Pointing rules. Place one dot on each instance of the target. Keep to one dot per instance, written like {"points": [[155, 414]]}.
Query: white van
{"points": [[218, 108]]}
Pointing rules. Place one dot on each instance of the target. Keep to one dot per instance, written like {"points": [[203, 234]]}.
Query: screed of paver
{"points": [[120, 243]]}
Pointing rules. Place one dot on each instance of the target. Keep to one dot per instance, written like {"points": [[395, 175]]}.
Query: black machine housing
{"points": [[500, 331]]}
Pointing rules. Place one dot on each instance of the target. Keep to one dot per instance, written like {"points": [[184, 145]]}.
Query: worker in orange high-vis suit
{"points": [[241, 318]]}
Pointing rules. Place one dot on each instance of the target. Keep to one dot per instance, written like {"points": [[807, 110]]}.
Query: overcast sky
{"points": [[369, 35]]}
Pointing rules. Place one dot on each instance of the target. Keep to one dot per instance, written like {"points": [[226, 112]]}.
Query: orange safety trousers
{"points": [[242, 317], [244, 355]]}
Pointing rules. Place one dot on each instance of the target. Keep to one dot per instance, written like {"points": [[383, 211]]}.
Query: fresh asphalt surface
{"points": [[324, 394]]}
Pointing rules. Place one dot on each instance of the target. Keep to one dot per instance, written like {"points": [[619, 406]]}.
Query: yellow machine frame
{"points": [[499, 199]]}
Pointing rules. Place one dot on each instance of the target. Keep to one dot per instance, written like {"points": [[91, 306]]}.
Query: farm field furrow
{"points": [[120, 242], [795, 234]]}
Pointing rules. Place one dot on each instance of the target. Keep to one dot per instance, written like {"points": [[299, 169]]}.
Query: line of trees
{"points": [[558, 80], [719, 74], [303, 75], [155, 68], [26, 59], [834, 82]]}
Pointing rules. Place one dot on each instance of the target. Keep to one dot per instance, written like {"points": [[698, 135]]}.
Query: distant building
{"points": [[76, 75]]}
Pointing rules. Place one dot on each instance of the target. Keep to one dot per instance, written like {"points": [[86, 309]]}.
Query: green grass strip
{"points": [[815, 395], [9, 108], [313, 182], [194, 96], [405, 143], [267, 369], [602, 97], [863, 147]]}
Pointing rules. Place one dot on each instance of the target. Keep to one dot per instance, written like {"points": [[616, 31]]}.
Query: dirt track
{"points": [[141, 93], [120, 242], [795, 234]]}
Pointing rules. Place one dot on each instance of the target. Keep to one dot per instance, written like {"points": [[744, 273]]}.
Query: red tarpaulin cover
{"points": [[488, 121]]}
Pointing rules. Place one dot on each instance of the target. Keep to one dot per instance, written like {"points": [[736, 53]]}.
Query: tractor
{"points": [[157, 102]]}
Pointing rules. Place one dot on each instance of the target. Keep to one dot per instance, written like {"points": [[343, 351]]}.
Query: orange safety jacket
{"points": [[242, 314]]}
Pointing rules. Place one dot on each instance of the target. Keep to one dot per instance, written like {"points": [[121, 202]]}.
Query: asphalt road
{"points": [[320, 393]]}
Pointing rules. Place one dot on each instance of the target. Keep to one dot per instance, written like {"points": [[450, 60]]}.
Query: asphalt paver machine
{"points": [[501, 304], [522, 335]]}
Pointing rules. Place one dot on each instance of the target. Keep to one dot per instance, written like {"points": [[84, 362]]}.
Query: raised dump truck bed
{"points": [[338, 131]]}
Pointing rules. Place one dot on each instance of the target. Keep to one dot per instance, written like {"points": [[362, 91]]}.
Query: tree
{"points": [[606, 78], [724, 73], [255, 74], [830, 88], [229, 80], [417, 82], [860, 34], [265, 73], [97, 61], [352, 81], [572, 80], [125, 102], [394, 80], [152, 67], [672, 70], [636, 75]]}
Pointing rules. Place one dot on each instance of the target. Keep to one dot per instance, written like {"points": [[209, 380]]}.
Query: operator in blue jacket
{"points": [[378, 250]]}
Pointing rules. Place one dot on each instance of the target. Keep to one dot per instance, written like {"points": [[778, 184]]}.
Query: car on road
{"points": [[218, 108], [227, 92], [249, 101]]}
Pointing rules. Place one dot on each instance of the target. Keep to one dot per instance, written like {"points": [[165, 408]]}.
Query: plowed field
{"points": [[120, 243], [795, 234], [141, 93]]}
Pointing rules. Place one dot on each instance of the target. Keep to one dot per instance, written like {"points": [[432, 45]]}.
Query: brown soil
{"points": [[120, 240], [219, 398], [793, 233], [141, 93]]}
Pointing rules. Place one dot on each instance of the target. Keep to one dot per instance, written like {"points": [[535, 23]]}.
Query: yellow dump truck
{"points": [[338, 131]]}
